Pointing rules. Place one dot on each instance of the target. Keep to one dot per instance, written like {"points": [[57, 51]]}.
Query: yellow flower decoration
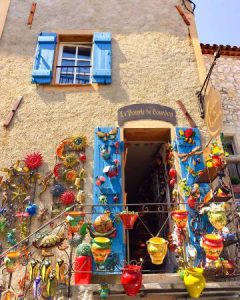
{"points": [[78, 142]]}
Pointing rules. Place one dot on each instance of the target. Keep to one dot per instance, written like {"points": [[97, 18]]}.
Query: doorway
{"points": [[147, 192]]}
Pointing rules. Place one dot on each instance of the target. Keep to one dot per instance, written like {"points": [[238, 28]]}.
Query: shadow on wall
{"points": [[121, 17]]}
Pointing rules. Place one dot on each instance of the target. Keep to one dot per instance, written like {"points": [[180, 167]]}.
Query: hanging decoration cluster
{"points": [[199, 214]]}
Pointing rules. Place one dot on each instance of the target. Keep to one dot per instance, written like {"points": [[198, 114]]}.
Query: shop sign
{"points": [[146, 111], [213, 112]]}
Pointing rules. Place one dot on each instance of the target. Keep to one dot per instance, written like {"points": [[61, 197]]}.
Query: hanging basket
{"points": [[131, 279], [128, 219]]}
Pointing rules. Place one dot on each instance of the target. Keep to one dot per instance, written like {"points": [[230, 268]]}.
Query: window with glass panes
{"points": [[74, 64]]}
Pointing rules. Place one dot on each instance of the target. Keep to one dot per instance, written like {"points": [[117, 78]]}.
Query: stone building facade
{"points": [[153, 62], [226, 78]]}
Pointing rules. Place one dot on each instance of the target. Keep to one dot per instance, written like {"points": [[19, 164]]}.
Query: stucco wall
{"points": [[226, 79], [153, 61]]}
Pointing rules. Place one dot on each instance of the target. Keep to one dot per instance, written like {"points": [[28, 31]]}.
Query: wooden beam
{"points": [[12, 112], [31, 14], [182, 14], [4, 5], [186, 114]]}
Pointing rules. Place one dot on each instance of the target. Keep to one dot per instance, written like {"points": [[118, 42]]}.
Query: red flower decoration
{"points": [[67, 197], [188, 133], [34, 160], [58, 170]]}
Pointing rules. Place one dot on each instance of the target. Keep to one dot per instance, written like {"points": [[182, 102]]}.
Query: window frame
{"points": [[60, 57]]}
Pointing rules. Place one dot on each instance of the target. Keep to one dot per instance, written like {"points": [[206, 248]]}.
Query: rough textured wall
{"points": [[226, 79], [153, 61]]}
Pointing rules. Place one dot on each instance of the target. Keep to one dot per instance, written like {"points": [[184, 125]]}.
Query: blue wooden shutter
{"points": [[112, 187], [183, 146], [102, 58], [43, 64]]}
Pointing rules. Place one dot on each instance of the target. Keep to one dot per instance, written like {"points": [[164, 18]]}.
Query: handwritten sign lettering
{"points": [[146, 111]]}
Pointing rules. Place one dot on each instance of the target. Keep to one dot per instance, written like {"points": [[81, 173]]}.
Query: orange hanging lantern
{"points": [[212, 245], [180, 217], [75, 220]]}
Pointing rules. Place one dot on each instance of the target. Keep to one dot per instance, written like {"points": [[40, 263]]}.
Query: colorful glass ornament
{"points": [[70, 160], [67, 197], [104, 291], [58, 170], [57, 189], [82, 157], [11, 261], [31, 209], [61, 148], [75, 220], [78, 142], [33, 160], [102, 199], [172, 173], [70, 175]]}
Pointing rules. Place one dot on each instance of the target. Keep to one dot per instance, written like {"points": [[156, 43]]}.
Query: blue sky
{"points": [[218, 21]]}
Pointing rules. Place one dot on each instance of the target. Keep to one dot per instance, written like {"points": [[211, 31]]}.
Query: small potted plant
{"points": [[83, 264], [128, 218]]}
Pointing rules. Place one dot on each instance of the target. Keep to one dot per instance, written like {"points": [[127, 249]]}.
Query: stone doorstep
{"points": [[168, 284]]}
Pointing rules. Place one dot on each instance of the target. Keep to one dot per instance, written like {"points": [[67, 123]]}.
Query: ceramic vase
{"points": [[218, 219], [101, 248], [157, 249], [194, 281], [83, 270], [131, 279], [180, 218], [212, 245], [75, 220], [11, 261]]}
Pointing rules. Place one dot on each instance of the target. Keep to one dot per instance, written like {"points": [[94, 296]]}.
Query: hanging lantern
{"points": [[101, 248], [128, 218], [212, 245], [131, 279], [157, 249], [75, 220], [180, 217], [11, 261]]}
